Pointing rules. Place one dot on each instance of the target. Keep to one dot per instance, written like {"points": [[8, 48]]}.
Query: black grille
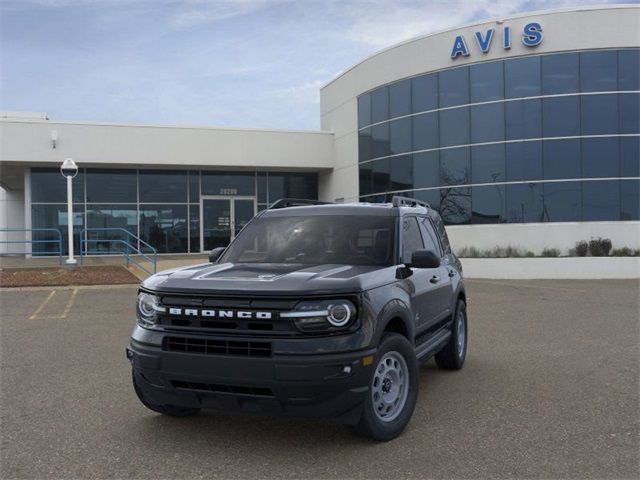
{"points": [[217, 347], [233, 389]]}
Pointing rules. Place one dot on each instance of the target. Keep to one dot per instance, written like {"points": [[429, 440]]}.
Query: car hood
{"points": [[270, 279]]}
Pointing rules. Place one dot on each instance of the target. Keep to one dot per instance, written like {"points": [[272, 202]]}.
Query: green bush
{"points": [[550, 252], [582, 248], [600, 247]]}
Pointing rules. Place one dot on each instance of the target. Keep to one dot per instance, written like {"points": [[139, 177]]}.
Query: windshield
{"points": [[315, 240]]}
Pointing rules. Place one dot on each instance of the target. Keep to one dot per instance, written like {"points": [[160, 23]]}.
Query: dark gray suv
{"points": [[314, 310]]}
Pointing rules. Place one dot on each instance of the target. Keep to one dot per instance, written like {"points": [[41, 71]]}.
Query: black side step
{"points": [[425, 350]]}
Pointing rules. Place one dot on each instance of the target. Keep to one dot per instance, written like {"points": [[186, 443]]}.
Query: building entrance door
{"points": [[221, 218]]}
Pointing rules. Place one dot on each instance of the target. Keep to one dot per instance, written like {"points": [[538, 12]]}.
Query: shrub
{"points": [[550, 252], [529, 253], [625, 252], [582, 248], [600, 247]]}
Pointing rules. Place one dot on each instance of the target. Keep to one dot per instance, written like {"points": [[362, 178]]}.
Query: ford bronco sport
{"points": [[316, 310]]}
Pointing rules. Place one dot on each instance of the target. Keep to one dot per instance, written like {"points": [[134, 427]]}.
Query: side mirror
{"points": [[214, 254], [424, 259]]}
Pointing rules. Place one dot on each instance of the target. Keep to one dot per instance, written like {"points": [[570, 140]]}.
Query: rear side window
{"points": [[442, 233], [429, 236], [411, 238]]}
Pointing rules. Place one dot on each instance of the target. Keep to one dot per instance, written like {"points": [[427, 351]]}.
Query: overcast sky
{"points": [[248, 63]]}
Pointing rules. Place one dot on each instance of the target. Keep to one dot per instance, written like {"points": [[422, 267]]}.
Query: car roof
{"points": [[359, 208]]}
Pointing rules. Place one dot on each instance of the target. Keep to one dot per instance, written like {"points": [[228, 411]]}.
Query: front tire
{"points": [[452, 356], [170, 410], [393, 391]]}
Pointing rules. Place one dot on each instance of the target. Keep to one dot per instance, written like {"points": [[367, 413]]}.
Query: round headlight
{"points": [[148, 308], [339, 314]]}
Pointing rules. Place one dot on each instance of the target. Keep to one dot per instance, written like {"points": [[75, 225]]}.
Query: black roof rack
{"points": [[398, 201], [295, 202]]}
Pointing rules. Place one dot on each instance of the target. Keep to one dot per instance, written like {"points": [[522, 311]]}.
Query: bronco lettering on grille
{"points": [[240, 314]]}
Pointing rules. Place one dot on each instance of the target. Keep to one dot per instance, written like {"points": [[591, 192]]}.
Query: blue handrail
{"points": [[31, 241], [128, 251]]}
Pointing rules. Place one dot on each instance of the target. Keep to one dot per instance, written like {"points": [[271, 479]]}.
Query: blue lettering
{"points": [[506, 38], [459, 47], [532, 34], [485, 42]]}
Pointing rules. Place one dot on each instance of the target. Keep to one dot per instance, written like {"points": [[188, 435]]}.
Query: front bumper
{"points": [[330, 385]]}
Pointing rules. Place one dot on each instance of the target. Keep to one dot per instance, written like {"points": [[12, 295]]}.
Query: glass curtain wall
{"points": [[162, 207], [543, 138]]}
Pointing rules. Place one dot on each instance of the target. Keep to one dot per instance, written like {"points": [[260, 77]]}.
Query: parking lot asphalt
{"points": [[549, 390]]}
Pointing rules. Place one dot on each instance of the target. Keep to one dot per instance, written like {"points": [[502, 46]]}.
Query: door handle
{"points": [[434, 279]]}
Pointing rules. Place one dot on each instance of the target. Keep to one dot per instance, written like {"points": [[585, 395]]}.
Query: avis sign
{"points": [[531, 36]]}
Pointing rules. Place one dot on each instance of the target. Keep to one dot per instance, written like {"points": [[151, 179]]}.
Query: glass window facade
{"points": [[543, 138], [162, 207]]}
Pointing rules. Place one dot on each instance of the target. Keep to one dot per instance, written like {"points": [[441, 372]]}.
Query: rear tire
{"points": [[452, 356], [393, 390], [170, 410]]}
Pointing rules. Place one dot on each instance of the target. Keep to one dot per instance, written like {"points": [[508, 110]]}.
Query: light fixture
{"points": [[54, 138]]}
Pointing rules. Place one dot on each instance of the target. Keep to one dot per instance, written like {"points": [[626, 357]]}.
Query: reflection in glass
{"points": [[48, 185], [600, 200], [380, 140], [629, 112], [561, 159], [53, 216], [165, 227], [487, 82], [560, 73], [488, 204], [194, 186], [454, 127], [522, 77], [194, 227], [432, 197], [599, 114], [400, 135], [116, 218], [402, 173], [630, 200], [523, 119], [365, 176], [424, 92], [454, 87], [400, 99], [112, 186], [261, 186], [524, 161], [524, 203], [629, 69], [599, 71], [562, 202], [163, 186], [630, 156], [365, 145], [216, 223], [293, 185], [487, 123], [454, 166], [364, 110], [425, 131], [488, 164], [455, 205], [600, 157], [380, 105], [426, 169], [381, 175], [561, 116]]}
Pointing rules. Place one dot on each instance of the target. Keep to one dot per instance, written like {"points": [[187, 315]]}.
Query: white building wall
{"points": [[11, 216]]}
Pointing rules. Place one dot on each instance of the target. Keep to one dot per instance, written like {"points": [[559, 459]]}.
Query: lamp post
{"points": [[69, 169]]}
